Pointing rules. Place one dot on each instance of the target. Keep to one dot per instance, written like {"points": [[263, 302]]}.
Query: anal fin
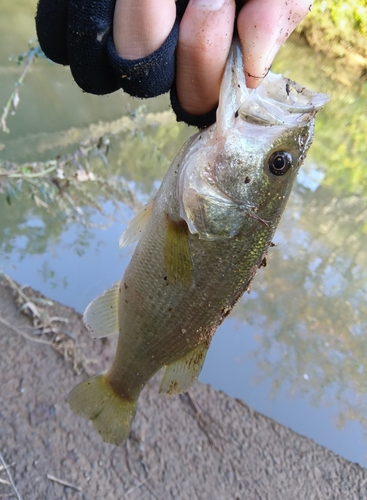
{"points": [[137, 225], [101, 315], [180, 375]]}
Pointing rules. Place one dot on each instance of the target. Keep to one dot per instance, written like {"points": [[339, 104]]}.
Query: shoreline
{"points": [[202, 445], [332, 30]]}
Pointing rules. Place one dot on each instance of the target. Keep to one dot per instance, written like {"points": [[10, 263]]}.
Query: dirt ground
{"points": [[205, 445]]}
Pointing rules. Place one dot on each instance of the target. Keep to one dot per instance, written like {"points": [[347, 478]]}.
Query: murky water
{"points": [[296, 347]]}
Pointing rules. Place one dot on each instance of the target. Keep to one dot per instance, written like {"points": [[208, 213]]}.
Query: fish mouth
{"points": [[280, 101], [276, 101]]}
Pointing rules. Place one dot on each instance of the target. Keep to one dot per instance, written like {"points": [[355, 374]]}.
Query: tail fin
{"points": [[97, 401]]}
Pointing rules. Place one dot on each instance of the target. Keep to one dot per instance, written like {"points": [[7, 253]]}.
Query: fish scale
{"points": [[200, 244], [170, 307]]}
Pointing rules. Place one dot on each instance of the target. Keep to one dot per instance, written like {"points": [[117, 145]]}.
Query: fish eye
{"points": [[280, 162]]}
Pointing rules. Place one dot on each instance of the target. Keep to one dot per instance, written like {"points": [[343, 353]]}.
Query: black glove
{"points": [[79, 33]]}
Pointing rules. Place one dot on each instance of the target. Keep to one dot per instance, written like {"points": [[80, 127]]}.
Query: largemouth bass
{"points": [[200, 244]]}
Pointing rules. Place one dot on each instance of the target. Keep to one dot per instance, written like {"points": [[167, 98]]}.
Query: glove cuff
{"points": [[200, 121], [149, 76]]}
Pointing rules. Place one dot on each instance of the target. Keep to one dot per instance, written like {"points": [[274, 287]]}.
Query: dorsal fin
{"points": [[136, 226], [179, 376], [101, 315]]}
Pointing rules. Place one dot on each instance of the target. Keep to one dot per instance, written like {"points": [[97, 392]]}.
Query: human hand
{"points": [[141, 55], [205, 35]]}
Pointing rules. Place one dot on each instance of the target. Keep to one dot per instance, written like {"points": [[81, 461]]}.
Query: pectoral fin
{"points": [[179, 375], [101, 315], [177, 256], [136, 226]]}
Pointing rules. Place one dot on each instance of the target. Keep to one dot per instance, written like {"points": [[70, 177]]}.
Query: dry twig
{"points": [[67, 184], [13, 101], [47, 326], [6, 468], [138, 485], [63, 483], [205, 422], [23, 334]]}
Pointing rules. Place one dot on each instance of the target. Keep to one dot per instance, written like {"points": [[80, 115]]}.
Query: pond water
{"points": [[294, 349]]}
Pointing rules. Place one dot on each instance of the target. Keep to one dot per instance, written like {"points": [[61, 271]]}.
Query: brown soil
{"points": [[203, 446]]}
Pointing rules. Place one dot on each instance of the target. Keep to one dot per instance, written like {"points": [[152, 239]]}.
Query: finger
{"points": [[263, 26], [141, 26], [205, 36], [52, 25], [88, 31]]}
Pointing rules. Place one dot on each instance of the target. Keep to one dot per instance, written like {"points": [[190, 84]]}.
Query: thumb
{"points": [[263, 26]]}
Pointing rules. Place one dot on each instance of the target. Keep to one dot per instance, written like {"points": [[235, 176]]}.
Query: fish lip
{"points": [[264, 110], [276, 101], [265, 118]]}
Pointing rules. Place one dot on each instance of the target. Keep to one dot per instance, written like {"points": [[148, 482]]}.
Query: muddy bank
{"points": [[203, 446]]}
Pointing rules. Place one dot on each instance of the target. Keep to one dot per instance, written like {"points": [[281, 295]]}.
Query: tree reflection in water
{"points": [[309, 303]]}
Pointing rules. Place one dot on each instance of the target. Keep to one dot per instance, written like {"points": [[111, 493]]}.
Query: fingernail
{"points": [[208, 4]]}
